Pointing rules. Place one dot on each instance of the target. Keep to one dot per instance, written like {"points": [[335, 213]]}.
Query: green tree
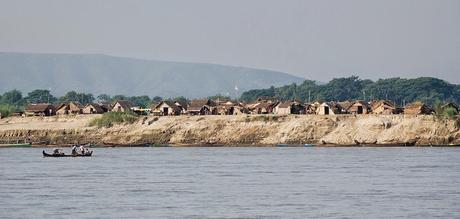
{"points": [[398, 90], [104, 98], [180, 99], [252, 95], [7, 109], [40, 96], [13, 97], [142, 101], [73, 96], [450, 112], [119, 97], [157, 99], [86, 98]]}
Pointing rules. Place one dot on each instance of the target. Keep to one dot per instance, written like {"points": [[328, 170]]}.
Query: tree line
{"points": [[398, 90], [14, 100]]}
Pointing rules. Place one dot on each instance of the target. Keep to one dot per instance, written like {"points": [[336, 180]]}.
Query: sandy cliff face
{"points": [[238, 130]]}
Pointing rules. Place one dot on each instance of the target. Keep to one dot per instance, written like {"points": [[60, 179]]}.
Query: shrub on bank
{"points": [[450, 112], [264, 118], [7, 109], [111, 118]]}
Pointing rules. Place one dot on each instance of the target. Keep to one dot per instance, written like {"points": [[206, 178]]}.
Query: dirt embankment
{"points": [[238, 130]]}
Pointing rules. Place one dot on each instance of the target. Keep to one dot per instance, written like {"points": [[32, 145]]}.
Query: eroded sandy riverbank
{"points": [[238, 130]]}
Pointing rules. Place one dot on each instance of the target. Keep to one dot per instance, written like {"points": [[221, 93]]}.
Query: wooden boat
{"points": [[67, 155]]}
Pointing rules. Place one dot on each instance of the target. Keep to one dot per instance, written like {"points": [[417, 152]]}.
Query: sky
{"points": [[317, 40]]}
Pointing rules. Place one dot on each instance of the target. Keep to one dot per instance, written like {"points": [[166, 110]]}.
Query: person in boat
{"points": [[74, 149], [82, 149], [57, 151]]}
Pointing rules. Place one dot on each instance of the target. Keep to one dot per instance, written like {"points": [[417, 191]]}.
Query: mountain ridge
{"points": [[99, 73]]}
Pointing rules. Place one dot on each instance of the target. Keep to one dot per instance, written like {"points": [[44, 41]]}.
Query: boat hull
{"points": [[67, 155]]}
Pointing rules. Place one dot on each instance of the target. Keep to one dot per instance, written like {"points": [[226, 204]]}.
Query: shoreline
{"points": [[235, 146], [237, 131]]}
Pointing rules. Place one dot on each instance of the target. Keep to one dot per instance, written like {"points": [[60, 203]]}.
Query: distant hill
{"points": [[398, 90], [116, 75]]}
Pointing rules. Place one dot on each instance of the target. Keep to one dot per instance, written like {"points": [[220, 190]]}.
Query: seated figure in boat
{"points": [[74, 150], [58, 151], [83, 150]]}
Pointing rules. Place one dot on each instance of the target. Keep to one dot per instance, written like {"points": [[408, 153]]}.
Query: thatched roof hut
{"points": [[166, 108], [69, 108], [40, 109], [417, 108], [330, 108], [289, 107], [122, 106], [263, 107], [93, 108], [383, 107], [359, 107], [200, 107]]}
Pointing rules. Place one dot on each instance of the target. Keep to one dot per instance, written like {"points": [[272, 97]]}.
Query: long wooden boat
{"points": [[67, 155]]}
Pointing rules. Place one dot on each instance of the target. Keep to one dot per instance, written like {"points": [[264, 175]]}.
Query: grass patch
{"points": [[152, 121], [112, 118], [450, 112], [264, 118]]}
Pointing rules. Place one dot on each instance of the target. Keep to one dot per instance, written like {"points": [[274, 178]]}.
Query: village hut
{"points": [[69, 108], [283, 108], [310, 108], [383, 107], [41, 109], [417, 108], [224, 110], [289, 107], [182, 105], [264, 108], [166, 108], [58, 106], [359, 107], [93, 108], [62, 109], [122, 106], [330, 108], [228, 107], [201, 107], [240, 109], [345, 105], [223, 101], [106, 106], [75, 108]]}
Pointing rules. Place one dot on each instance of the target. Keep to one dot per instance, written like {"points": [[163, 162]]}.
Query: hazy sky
{"points": [[314, 39]]}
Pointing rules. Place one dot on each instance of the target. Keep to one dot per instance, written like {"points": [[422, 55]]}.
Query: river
{"points": [[252, 182]]}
